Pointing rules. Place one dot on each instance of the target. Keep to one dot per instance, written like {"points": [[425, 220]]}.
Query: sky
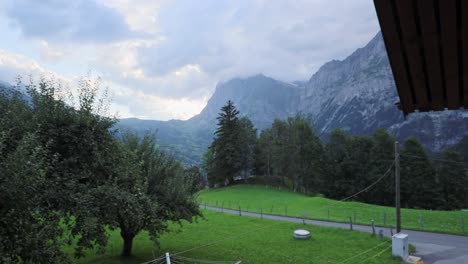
{"points": [[162, 59]]}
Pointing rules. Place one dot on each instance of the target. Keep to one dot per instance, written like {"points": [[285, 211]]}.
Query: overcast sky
{"points": [[162, 59]]}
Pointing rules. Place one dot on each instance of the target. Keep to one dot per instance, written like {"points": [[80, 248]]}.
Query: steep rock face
{"points": [[358, 95], [261, 98]]}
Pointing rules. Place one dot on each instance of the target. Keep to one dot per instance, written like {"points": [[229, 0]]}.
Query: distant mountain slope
{"points": [[261, 98]]}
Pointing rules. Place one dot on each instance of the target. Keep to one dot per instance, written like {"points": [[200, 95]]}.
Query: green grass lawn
{"points": [[281, 202], [272, 242]]}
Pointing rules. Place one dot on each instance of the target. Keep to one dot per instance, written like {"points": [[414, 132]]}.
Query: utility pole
{"points": [[397, 186]]}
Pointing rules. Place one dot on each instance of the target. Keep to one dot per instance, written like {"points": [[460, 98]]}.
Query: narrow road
{"points": [[434, 248]]}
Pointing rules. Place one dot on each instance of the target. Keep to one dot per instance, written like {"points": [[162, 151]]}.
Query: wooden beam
{"points": [[430, 39], [464, 14], [388, 24], [449, 43], [412, 44]]}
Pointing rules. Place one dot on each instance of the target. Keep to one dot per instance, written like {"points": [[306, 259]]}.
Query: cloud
{"points": [[68, 21], [16, 65], [163, 55]]}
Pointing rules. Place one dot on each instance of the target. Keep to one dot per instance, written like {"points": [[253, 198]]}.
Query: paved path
{"points": [[434, 248]]}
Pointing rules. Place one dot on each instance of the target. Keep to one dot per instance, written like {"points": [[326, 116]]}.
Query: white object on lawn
{"points": [[301, 234]]}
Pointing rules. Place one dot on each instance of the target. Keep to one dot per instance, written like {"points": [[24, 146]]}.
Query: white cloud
{"points": [[167, 56]]}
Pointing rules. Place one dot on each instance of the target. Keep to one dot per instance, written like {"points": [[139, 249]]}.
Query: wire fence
{"points": [[453, 222]]}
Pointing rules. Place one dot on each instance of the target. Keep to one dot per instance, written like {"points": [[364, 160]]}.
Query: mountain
{"points": [[261, 98], [358, 95]]}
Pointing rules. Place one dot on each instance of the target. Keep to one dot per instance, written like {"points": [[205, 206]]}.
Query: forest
{"points": [[290, 153]]}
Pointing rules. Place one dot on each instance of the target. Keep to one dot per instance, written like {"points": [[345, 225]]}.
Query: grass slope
{"points": [[272, 242], [281, 202]]}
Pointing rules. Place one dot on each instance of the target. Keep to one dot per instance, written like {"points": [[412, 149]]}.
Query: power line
{"points": [[200, 260], [434, 159], [362, 253], [371, 185], [378, 254]]}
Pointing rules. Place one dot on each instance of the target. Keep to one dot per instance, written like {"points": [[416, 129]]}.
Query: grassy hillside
{"points": [[281, 202], [272, 242]]}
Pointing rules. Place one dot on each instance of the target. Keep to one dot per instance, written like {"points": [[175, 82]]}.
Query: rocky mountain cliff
{"points": [[358, 95]]}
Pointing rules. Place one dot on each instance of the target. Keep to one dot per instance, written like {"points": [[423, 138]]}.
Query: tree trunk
{"points": [[128, 243]]}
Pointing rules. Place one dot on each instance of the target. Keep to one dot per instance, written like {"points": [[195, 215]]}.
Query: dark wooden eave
{"points": [[427, 45]]}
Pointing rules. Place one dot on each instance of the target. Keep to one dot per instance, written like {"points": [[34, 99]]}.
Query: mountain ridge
{"points": [[356, 94]]}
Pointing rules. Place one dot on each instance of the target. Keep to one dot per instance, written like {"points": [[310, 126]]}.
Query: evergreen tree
{"points": [[248, 142], [419, 187], [381, 158], [263, 154], [453, 180], [304, 150], [280, 157], [356, 166], [335, 184], [227, 152]]}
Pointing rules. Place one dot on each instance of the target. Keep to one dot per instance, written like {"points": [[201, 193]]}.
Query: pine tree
{"points": [[419, 188], [453, 180], [248, 142], [382, 156], [227, 145]]}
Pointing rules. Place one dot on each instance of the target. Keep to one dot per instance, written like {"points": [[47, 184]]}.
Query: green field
{"points": [[252, 240], [281, 202]]}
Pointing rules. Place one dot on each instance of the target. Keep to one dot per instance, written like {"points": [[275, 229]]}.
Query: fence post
{"points": [[421, 223], [240, 214], [373, 227], [462, 223], [350, 223], [385, 218]]}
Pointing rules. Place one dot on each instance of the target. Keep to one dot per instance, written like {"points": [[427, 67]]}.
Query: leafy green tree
{"points": [[68, 148], [453, 180], [194, 174], [30, 233], [419, 187], [148, 189]]}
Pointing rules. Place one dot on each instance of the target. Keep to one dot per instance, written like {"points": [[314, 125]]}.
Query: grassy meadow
{"points": [[282, 202], [251, 240]]}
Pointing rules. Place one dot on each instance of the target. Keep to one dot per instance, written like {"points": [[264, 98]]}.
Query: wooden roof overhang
{"points": [[427, 45]]}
